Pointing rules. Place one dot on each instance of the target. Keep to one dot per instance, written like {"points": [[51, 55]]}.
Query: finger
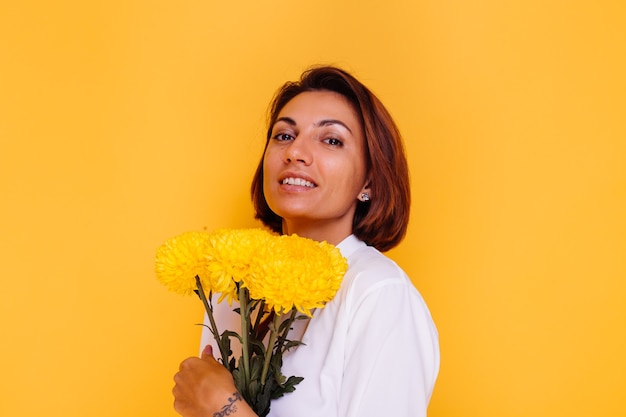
{"points": [[188, 363], [207, 352]]}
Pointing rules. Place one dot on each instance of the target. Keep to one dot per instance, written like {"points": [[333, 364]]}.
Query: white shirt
{"points": [[372, 351]]}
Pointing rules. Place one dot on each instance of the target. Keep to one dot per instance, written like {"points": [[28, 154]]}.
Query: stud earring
{"points": [[365, 197]]}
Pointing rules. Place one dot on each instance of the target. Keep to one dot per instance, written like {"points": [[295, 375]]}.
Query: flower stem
{"points": [[245, 348], [270, 347], [209, 311], [283, 337], [259, 316]]}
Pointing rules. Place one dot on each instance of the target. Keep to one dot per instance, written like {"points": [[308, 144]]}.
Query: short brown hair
{"points": [[382, 221]]}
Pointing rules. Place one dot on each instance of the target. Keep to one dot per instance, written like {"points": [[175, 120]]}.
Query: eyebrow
{"points": [[321, 123]]}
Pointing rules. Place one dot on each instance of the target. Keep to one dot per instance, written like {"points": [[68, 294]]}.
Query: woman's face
{"points": [[314, 166]]}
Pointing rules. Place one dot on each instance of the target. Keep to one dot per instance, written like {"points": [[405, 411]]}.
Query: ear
{"points": [[365, 194]]}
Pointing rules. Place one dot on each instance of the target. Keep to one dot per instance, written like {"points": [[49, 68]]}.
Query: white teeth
{"points": [[298, 181]]}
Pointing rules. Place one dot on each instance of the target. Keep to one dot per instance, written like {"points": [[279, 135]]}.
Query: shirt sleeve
{"points": [[392, 353]]}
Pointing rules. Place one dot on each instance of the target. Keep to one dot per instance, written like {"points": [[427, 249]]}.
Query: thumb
{"points": [[207, 352]]}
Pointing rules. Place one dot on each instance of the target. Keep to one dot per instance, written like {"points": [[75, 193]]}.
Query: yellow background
{"points": [[123, 123]]}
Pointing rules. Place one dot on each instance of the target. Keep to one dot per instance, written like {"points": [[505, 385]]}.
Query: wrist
{"points": [[235, 406]]}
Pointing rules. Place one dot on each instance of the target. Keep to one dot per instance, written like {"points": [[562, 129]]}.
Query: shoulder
{"points": [[372, 273], [368, 265]]}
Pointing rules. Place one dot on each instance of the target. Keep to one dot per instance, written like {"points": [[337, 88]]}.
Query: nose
{"points": [[298, 151]]}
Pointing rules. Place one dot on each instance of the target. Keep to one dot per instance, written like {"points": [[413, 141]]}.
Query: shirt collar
{"points": [[350, 245]]}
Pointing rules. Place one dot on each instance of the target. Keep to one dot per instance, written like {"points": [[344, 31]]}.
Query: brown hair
{"points": [[382, 221]]}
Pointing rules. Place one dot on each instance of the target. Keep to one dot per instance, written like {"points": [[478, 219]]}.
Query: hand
{"points": [[205, 388]]}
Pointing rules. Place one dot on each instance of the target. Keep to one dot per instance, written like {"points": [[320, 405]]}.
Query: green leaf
{"points": [[258, 348], [238, 379], [264, 398], [284, 325], [291, 344], [226, 334], [256, 367], [290, 385]]}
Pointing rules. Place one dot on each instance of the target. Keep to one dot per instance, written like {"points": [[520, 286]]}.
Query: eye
{"points": [[283, 137], [333, 141]]}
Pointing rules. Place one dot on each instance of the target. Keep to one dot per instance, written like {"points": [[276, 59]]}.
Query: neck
{"points": [[317, 231]]}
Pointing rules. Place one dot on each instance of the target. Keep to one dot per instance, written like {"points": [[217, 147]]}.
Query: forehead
{"points": [[320, 104]]}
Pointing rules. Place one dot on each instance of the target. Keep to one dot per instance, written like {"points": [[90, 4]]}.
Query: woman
{"points": [[334, 169]]}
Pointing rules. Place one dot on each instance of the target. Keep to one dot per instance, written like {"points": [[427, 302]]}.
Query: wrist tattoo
{"points": [[229, 408]]}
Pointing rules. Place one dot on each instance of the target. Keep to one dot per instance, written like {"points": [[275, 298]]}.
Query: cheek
{"points": [[347, 175], [267, 164], [270, 170], [271, 159]]}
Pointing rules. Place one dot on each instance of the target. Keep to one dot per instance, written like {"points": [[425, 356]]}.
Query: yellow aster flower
{"points": [[232, 254], [292, 271], [286, 272], [180, 259]]}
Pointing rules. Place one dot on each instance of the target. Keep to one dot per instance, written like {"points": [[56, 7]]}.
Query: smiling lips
{"points": [[298, 181]]}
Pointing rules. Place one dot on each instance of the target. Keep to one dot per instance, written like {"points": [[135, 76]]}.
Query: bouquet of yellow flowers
{"points": [[272, 277]]}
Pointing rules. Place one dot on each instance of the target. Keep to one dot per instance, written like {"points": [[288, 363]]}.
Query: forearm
{"points": [[232, 406]]}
